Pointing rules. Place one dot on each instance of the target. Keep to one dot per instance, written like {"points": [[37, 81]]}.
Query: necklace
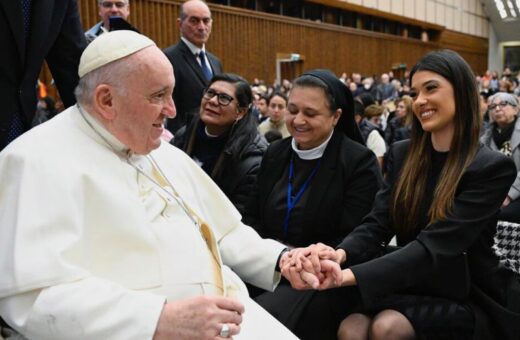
{"points": [[150, 158]]}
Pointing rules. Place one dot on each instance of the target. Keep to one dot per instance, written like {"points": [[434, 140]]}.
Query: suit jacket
{"points": [[189, 82], [469, 227], [340, 194], [55, 36]]}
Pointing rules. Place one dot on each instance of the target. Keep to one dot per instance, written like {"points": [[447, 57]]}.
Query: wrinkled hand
{"points": [[315, 253], [506, 202], [304, 267], [199, 318]]}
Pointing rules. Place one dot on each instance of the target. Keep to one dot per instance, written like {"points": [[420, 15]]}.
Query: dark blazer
{"points": [[237, 170], [189, 82], [469, 228], [340, 195], [56, 36]]}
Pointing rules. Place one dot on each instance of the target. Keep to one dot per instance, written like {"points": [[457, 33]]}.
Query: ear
{"points": [[104, 102], [179, 23], [336, 116], [241, 112]]}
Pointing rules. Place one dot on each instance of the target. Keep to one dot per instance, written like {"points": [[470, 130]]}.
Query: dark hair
{"points": [[276, 93], [366, 99], [244, 130], [273, 135], [411, 185], [243, 92]]}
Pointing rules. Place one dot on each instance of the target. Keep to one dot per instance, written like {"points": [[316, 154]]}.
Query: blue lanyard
{"points": [[291, 202]]}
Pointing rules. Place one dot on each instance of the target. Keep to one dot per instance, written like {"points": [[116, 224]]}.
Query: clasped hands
{"points": [[314, 267]]}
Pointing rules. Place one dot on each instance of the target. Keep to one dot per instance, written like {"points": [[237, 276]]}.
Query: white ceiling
{"points": [[505, 30]]}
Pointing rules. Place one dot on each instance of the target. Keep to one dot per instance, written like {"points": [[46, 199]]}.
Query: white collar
{"points": [[194, 49], [114, 143], [313, 153]]}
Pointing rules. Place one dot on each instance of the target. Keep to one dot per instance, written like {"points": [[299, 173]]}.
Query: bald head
{"points": [[195, 22]]}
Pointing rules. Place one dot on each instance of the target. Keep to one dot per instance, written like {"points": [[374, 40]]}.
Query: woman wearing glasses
{"points": [[224, 138], [503, 134]]}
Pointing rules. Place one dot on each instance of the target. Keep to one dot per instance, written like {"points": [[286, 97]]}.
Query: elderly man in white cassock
{"points": [[107, 233]]}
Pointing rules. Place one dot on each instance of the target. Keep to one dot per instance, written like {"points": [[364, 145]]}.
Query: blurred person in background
{"points": [[503, 134], [277, 108]]}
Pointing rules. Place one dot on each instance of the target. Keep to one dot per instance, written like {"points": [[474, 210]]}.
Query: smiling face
{"points": [[309, 119], [434, 104], [195, 25], [219, 118], [145, 101]]}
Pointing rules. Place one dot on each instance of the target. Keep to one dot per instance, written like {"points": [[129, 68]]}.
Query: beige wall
{"points": [[464, 16]]}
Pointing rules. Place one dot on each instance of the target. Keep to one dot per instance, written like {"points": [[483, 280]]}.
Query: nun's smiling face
{"points": [[309, 119]]}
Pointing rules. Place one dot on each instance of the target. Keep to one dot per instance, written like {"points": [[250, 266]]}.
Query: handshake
{"points": [[316, 267]]}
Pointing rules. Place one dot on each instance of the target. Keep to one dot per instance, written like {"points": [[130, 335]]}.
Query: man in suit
{"points": [[193, 66], [107, 9], [31, 33]]}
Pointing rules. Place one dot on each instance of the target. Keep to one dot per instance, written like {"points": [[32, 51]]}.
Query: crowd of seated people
{"points": [[334, 167]]}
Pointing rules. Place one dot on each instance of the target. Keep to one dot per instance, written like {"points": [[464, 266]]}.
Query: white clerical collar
{"points": [[314, 153], [105, 135], [194, 49]]}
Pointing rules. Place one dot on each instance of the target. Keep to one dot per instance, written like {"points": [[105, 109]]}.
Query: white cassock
{"points": [[91, 246]]}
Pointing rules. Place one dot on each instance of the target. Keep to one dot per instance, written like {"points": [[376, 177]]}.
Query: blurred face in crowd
{"points": [[113, 8], [434, 103], [219, 107], [195, 22], [502, 112], [141, 105], [400, 111], [261, 105], [277, 109], [309, 119]]}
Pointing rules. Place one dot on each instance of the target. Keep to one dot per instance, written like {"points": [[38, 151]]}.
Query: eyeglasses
{"points": [[501, 105], [109, 4], [223, 99]]}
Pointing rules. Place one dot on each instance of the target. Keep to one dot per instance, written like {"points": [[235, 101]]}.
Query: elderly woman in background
{"points": [[224, 139], [315, 186], [503, 134]]}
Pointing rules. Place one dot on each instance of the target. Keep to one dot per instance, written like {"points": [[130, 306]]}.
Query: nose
{"points": [[299, 119], [169, 109], [214, 101]]}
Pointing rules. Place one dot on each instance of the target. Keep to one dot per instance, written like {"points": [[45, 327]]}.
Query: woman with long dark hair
{"points": [[440, 199], [224, 138]]}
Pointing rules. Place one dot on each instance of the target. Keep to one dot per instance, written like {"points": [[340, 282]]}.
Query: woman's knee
{"points": [[391, 325], [354, 327]]}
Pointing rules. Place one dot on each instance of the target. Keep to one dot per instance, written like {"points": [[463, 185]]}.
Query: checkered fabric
{"points": [[507, 245]]}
